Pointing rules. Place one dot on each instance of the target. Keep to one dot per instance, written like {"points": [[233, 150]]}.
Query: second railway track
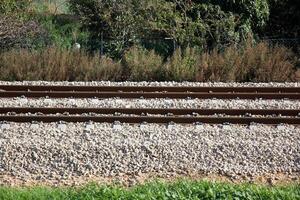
{"points": [[132, 115], [214, 116]]}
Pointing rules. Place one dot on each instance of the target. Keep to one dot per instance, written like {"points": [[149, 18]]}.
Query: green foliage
{"points": [[51, 6], [120, 23], [63, 31], [9, 7], [206, 24], [253, 13], [179, 190]]}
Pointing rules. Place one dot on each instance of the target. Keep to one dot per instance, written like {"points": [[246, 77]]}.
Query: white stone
{"points": [[34, 126], [48, 101], [117, 127], [76, 46], [62, 127], [199, 127], [23, 100], [72, 101], [89, 126], [5, 126], [171, 126], [119, 101], [281, 127], [142, 101], [226, 127], [143, 126], [95, 101]]}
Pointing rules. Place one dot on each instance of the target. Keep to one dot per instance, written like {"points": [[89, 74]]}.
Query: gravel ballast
{"points": [[152, 103], [67, 153], [127, 83], [52, 152]]}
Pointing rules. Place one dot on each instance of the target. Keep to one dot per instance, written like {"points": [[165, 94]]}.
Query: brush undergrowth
{"points": [[156, 190], [54, 64], [252, 62]]}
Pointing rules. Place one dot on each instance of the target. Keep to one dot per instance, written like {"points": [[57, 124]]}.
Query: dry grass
{"points": [[182, 66], [54, 64], [257, 63], [141, 64], [266, 63], [216, 66]]}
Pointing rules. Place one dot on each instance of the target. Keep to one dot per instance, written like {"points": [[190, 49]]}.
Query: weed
{"points": [[55, 64]]}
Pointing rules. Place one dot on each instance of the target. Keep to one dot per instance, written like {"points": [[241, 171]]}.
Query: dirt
{"points": [[132, 180]]}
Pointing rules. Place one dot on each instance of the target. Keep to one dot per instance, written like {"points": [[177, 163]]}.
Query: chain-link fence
{"points": [[292, 43]]}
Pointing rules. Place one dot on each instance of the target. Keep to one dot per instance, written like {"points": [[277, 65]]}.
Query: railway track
{"points": [[213, 116], [9, 91], [126, 115]]}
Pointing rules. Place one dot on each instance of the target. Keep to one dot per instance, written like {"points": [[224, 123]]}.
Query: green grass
{"points": [[156, 190]]}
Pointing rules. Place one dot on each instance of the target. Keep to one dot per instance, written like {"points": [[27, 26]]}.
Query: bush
{"points": [[9, 7], [18, 33], [216, 66], [269, 63], [141, 64], [54, 64], [182, 66], [257, 63], [253, 62]]}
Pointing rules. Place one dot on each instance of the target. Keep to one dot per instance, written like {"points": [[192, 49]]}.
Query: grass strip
{"points": [[182, 189]]}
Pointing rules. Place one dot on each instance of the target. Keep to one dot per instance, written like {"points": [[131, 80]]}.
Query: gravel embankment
{"points": [[45, 152], [202, 84], [52, 153]]}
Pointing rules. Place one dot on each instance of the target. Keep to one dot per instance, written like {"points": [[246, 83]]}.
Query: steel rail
{"points": [[178, 95], [149, 89], [151, 119], [141, 111]]}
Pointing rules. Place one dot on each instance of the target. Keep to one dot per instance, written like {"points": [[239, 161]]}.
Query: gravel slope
{"points": [[108, 83], [39, 153], [46, 152]]}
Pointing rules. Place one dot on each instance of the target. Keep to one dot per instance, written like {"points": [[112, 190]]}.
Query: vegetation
{"points": [[284, 19], [206, 24], [55, 64], [151, 40], [251, 62], [156, 190]]}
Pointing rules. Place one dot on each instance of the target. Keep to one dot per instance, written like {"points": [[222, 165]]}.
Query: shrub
{"points": [[216, 66], [19, 33], [9, 7], [54, 64], [258, 63], [141, 64], [182, 65], [253, 62], [268, 63]]}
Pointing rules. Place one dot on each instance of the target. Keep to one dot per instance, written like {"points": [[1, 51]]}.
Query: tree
{"points": [[202, 23], [223, 21], [117, 22]]}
